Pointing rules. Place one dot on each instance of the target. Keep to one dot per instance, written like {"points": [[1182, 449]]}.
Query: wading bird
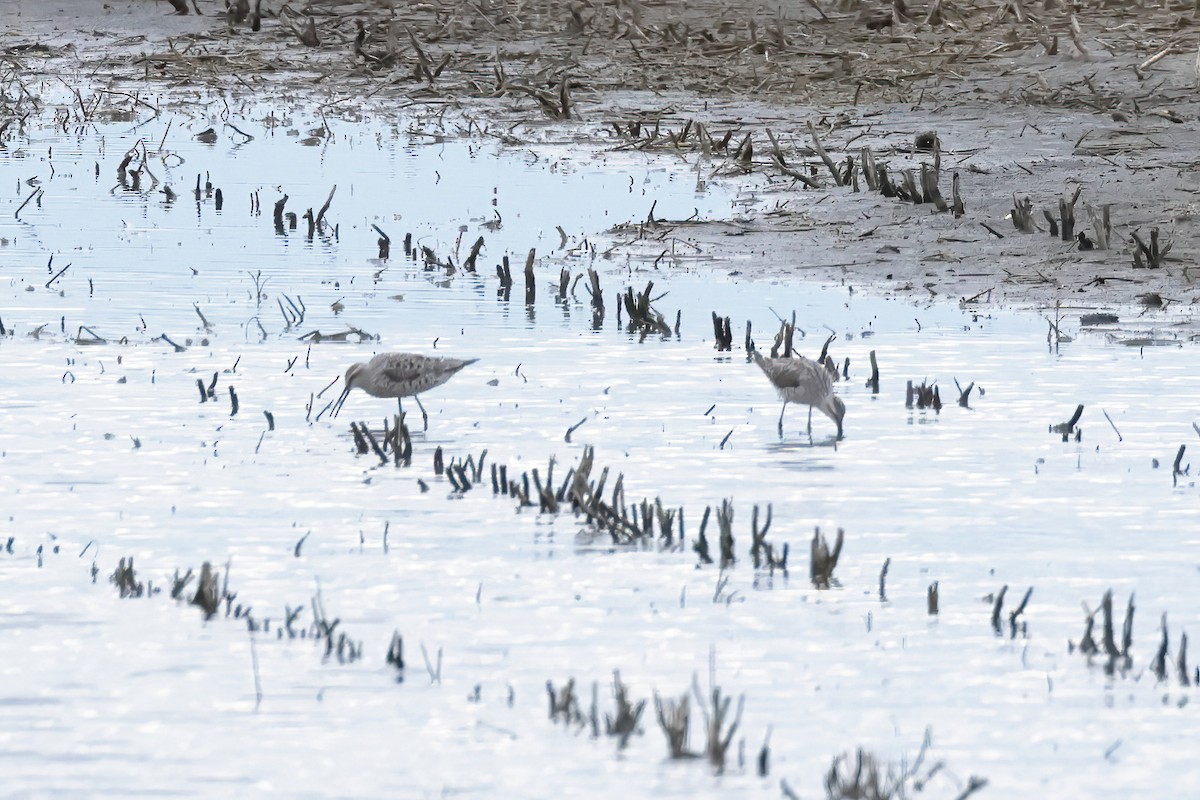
{"points": [[799, 380], [400, 375]]}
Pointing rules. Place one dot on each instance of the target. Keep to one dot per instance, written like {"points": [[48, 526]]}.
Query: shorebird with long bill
{"points": [[799, 380], [400, 375]]}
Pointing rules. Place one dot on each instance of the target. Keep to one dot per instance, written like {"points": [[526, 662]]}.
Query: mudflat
{"points": [[1032, 154]]}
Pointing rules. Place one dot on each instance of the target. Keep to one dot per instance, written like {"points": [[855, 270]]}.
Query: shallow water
{"points": [[98, 689]]}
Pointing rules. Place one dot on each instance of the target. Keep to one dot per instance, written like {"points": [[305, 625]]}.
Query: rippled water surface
{"points": [[107, 452]]}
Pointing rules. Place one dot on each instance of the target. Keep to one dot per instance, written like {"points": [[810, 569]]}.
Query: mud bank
{"points": [[1039, 103]]}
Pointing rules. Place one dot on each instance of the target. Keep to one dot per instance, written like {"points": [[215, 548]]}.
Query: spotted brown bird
{"points": [[400, 375]]}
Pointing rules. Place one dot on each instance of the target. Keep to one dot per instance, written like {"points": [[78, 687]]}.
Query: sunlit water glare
{"points": [[107, 452]]}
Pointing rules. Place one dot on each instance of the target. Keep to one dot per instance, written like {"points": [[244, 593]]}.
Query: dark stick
{"points": [[833, 170], [33, 194], [825, 348], [572, 429], [1012, 618], [1114, 426], [469, 264], [1110, 645], [997, 606], [1066, 427], [366, 432], [530, 284], [964, 395], [57, 275], [384, 242], [324, 208]]}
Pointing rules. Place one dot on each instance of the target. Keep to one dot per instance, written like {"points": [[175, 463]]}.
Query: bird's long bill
{"points": [[337, 405]]}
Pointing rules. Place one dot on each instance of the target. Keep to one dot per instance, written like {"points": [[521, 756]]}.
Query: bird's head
{"points": [[835, 409], [354, 374]]}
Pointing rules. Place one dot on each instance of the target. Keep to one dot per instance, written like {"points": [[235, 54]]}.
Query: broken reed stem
{"points": [[504, 273], [385, 243], [530, 285], [829, 163], [997, 607], [823, 560], [325, 207], [1066, 213], [1101, 227], [35, 193], [930, 190], [781, 162], [673, 717], [1022, 215], [473, 255], [723, 332]]}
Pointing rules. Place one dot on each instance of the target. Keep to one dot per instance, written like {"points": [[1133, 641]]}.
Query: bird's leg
{"points": [[781, 418], [810, 422], [424, 416]]}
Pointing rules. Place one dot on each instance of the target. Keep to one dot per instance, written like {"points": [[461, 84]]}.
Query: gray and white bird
{"points": [[400, 375], [799, 380]]}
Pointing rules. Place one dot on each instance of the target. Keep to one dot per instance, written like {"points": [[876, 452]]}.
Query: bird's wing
{"points": [[401, 373], [795, 372]]}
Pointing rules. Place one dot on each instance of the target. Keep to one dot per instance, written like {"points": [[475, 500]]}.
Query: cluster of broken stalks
{"points": [[1145, 256], [395, 440], [645, 524], [918, 187], [927, 395], [861, 777], [285, 221], [211, 593], [1064, 226], [1117, 659], [652, 525], [674, 717], [635, 310]]}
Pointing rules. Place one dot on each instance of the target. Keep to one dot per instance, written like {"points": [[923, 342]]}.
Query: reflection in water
{"points": [[798, 454]]}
